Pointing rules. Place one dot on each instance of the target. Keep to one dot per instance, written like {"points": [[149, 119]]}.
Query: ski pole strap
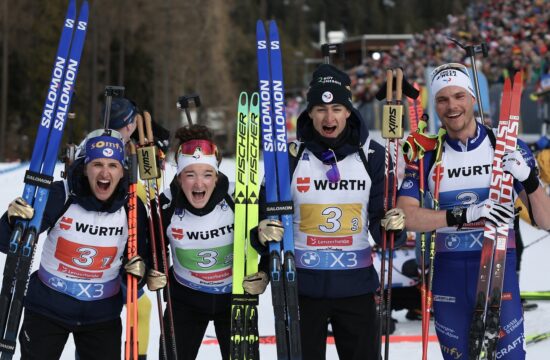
{"points": [[440, 137], [417, 144], [279, 208], [38, 179], [7, 346]]}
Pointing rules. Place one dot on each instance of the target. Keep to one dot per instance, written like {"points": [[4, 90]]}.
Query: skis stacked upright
{"points": [[39, 176], [484, 330], [284, 287], [244, 313]]}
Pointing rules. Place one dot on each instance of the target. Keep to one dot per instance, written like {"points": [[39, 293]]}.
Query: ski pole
{"points": [[438, 172], [471, 51], [183, 104], [110, 92], [70, 149], [537, 240], [131, 345], [398, 133], [144, 159], [415, 110], [165, 261], [414, 150], [327, 50], [382, 302], [392, 131], [421, 127]]}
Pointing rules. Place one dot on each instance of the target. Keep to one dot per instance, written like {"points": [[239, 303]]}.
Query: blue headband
{"points": [[104, 147]]}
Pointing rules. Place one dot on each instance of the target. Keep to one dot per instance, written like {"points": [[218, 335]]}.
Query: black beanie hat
{"points": [[329, 86], [123, 112]]}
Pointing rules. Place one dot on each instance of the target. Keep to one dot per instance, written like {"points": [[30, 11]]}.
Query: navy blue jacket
{"points": [[51, 303], [353, 282]]}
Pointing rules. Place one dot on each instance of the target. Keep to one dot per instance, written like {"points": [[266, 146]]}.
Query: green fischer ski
{"points": [[244, 312], [532, 339], [535, 295]]}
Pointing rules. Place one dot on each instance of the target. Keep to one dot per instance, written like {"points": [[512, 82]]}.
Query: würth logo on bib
{"points": [[99, 230], [66, 223], [469, 171], [210, 234], [303, 184], [177, 233]]}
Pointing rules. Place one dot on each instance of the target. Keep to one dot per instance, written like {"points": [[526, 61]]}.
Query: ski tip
{"points": [[243, 98], [71, 14], [260, 28], [518, 78], [255, 99], [71, 10], [84, 7], [83, 16], [507, 86], [272, 27]]}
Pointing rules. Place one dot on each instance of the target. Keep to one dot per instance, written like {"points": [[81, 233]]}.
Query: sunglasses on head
{"points": [[103, 132], [328, 157], [206, 147]]}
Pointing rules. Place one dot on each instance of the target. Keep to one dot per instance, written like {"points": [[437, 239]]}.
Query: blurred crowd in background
{"points": [[516, 33]]}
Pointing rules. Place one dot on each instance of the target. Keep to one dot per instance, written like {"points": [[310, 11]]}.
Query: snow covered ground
{"points": [[534, 276]]}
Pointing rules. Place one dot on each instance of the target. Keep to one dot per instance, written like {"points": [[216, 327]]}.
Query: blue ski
{"points": [[37, 156], [39, 176], [277, 182]]}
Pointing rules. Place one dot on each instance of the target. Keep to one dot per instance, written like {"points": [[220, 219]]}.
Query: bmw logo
{"points": [[452, 241], [310, 259]]}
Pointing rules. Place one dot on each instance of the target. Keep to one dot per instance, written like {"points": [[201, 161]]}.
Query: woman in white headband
{"points": [[198, 214]]}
